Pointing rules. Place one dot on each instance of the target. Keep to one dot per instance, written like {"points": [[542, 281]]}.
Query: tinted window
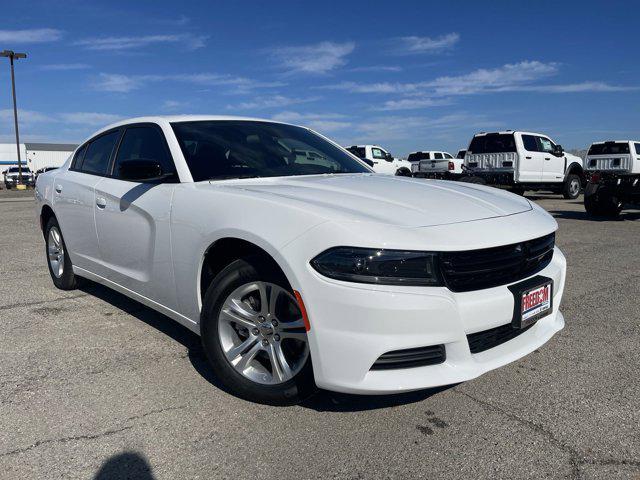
{"points": [[461, 154], [447, 155], [637, 148], [96, 159], [241, 149], [610, 148], [77, 159], [144, 143], [378, 153], [530, 143], [358, 151], [545, 145], [417, 156], [493, 143], [437, 156]]}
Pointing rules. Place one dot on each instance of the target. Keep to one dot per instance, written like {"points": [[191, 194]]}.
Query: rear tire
{"points": [[572, 186], [600, 202], [58, 261], [242, 349]]}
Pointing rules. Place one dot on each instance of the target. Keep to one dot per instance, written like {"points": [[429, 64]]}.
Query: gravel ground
{"points": [[94, 385]]}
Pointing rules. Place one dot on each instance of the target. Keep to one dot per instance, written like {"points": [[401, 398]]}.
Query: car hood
{"points": [[384, 199]]}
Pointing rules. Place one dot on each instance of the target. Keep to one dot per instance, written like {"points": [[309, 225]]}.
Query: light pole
{"points": [[13, 55]]}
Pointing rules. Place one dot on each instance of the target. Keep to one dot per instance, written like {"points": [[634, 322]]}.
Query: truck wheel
{"points": [[403, 172], [600, 202], [474, 179], [571, 187]]}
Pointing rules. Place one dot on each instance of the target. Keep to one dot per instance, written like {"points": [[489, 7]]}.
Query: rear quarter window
{"points": [[609, 148], [493, 143], [637, 148]]}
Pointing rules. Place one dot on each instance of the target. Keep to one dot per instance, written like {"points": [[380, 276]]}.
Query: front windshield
{"points": [[224, 149]]}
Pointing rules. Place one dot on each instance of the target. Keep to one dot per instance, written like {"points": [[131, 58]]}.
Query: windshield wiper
{"points": [[233, 177]]}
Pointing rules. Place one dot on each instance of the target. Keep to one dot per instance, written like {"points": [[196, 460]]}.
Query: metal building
{"points": [[40, 155]]}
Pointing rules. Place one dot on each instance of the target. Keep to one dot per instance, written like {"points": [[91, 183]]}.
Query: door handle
{"points": [[58, 188], [528, 158], [101, 202], [547, 158]]}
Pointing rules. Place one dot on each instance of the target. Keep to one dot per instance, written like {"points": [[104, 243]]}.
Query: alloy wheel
{"points": [[55, 249], [262, 333]]}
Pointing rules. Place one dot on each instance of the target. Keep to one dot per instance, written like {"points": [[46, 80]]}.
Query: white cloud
{"points": [[188, 40], [272, 101], [319, 58], [575, 88], [36, 35], [24, 116], [478, 81], [411, 103], [119, 83], [65, 66], [483, 80], [29, 117], [89, 118], [322, 122], [173, 105], [377, 68], [113, 82], [413, 44]]}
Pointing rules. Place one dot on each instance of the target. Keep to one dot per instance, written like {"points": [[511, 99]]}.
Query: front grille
{"points": [[481, 341], [411, 357], [489, 267]]}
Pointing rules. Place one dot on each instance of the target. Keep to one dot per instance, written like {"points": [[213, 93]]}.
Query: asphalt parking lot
{"points": [[95, 385]]}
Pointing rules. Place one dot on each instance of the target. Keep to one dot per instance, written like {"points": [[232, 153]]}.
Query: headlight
{"points": [[383, 267]]}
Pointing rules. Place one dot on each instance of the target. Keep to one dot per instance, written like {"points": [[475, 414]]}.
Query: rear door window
{"points": [[78, 157], [96, 159], [493, 143], [610, 148], [530, 143], [358, 151], [637, 148], [144, 143], [417, 156], [438, 156]]}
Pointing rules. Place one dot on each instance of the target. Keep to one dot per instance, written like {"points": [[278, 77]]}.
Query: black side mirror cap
{"points": [[141, 170], [558, 150]]}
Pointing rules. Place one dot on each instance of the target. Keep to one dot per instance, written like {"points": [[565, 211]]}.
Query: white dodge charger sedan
{"points": [[298, 266]]}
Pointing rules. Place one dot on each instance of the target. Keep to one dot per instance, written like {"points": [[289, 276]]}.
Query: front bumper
{"points": [[352, 325]]}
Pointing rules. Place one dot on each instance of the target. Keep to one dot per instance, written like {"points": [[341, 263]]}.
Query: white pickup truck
{"points": [[613, 171], [523, 161], [435, 164], [380, 160]]}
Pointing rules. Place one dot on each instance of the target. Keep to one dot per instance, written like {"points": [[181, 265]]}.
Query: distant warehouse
{"points": [[37, 155]]}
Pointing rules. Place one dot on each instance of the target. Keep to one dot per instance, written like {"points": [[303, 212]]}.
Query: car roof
{"points": [[508, 132], [429, 151], [163, 119], [614, 141]]}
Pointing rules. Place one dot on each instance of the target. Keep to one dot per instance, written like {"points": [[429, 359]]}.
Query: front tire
{"points": [[58, 261], [403, 172], [254, 336], [572, 186]]}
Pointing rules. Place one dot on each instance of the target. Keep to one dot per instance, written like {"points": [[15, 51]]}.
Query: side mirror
{"points": [[142, 170], [388, 157], [558, 151]]}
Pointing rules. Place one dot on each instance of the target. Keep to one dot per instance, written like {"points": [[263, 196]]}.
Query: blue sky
{"points": [[405, 75]]}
